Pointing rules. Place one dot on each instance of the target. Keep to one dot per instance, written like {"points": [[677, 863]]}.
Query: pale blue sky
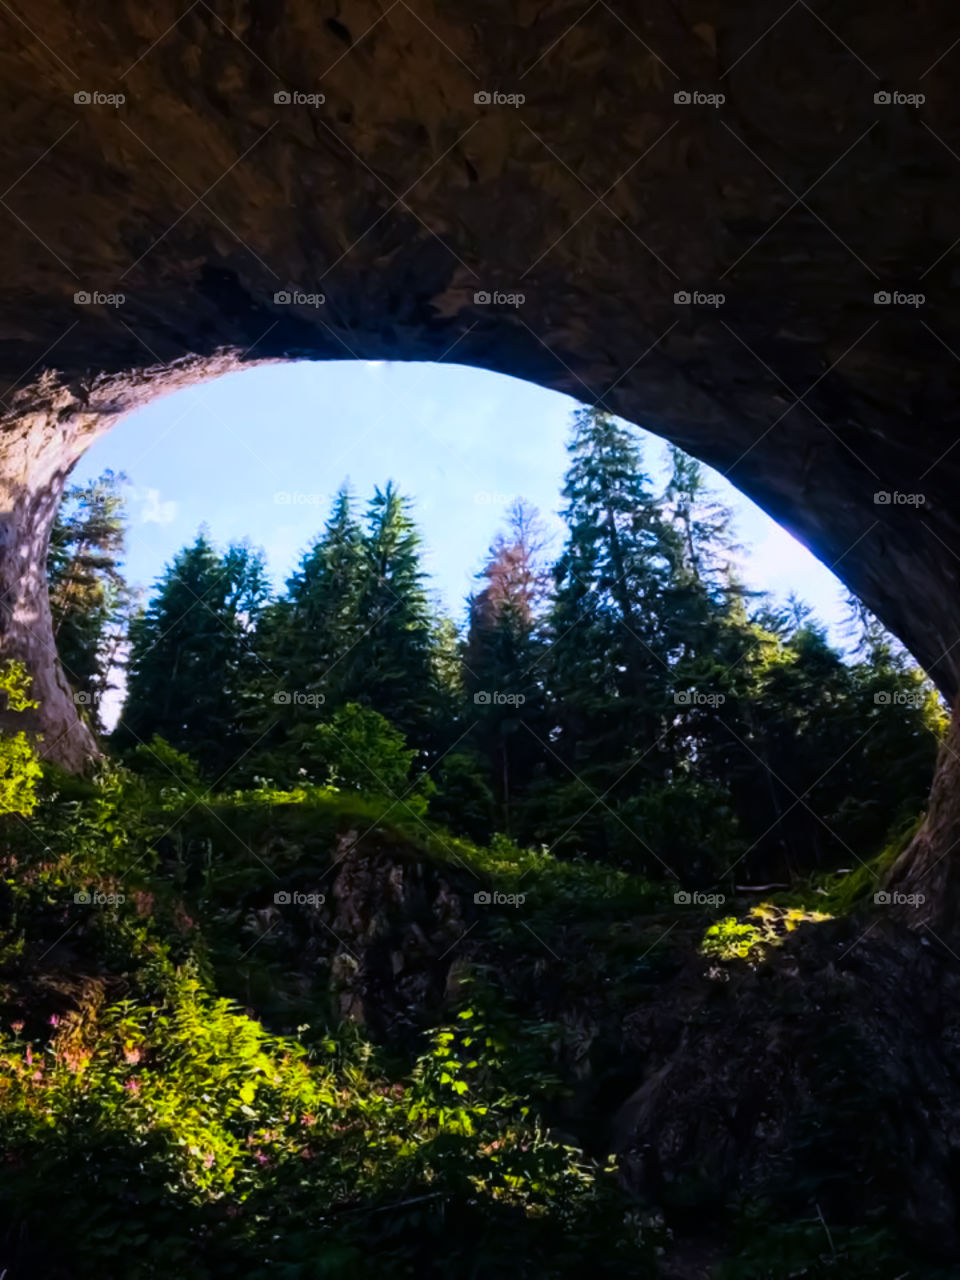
{"points": [[461, 442]]}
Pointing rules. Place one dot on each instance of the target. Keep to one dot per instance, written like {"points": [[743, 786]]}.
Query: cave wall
{"points": [[171, 174]]}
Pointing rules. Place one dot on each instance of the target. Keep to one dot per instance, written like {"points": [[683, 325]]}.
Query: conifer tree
{"points": [[391, 664], [89, 596], [503, 648], [305, 638], [609, 634], [191, 656]]}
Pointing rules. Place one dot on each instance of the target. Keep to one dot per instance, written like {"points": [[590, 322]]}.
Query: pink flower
{"points": [[54, 1020], [208, 1160], [29, 1056], [132, 1085], [17, 1026], [131, 1054], [37, 1077]]}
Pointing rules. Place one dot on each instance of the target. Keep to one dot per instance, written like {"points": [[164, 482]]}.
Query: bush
{"points": [[20, 770]]}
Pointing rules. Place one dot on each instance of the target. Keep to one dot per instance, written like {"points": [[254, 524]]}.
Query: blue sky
{"points": [[259, 454]]}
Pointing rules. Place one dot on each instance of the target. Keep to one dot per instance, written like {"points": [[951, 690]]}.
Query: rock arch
{"points": [[410, 160]]}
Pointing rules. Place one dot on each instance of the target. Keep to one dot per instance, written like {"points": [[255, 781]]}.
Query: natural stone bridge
{"points": [[787, 165]]}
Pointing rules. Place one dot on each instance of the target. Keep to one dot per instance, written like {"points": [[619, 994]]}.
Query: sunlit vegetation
{"points": [[325, 970]]}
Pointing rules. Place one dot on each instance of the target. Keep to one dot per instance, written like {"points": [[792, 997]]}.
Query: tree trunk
{"points": [[924, 882], [32, 476]]}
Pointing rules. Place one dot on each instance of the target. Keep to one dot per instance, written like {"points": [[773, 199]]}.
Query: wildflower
{"points": [[17, 1026], [132, 1085], [131, 1054], [54, 1020], [208, 1160]]}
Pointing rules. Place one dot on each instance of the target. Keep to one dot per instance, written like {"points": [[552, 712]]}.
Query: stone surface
{"points": [[201, 197], [826, 1074]]}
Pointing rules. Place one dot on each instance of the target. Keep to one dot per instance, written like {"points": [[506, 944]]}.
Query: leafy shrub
{"points": [[20, 770]]}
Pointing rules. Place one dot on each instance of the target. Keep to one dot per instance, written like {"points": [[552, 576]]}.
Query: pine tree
{"points": [[703, 522], [89, 596], [191, 657], [306, 637], [502, 652], [391, 664], [609, 633]]}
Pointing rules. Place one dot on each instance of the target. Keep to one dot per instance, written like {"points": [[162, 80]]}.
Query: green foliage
{"points": [[359, 750], [90, 601], [765, 925], [20, 770], [169, 1126], [191, 659]]}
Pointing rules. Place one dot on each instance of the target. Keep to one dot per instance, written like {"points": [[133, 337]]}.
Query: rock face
{"points": [[180, 185], [831, 1065]]}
